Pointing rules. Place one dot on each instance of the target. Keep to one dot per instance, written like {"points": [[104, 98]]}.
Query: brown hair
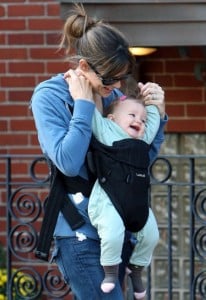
{"points": [[100, 44]]}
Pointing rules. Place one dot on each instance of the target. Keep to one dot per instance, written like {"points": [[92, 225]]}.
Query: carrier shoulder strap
{"points": [[58, 200]]}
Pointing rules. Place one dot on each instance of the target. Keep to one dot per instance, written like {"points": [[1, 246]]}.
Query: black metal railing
{"points": [[178, 199]]}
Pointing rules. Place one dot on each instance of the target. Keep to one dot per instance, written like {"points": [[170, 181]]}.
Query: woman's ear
{"points": [[83, 65]]}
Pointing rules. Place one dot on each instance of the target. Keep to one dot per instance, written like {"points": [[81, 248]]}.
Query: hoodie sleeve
{"points": [[63, 136], [159, 139]]}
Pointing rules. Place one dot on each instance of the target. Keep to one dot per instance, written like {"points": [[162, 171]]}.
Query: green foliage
{"points": [[23, 285]]}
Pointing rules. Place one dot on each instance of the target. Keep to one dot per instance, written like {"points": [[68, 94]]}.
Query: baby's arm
{"points": [[98, 124], [152, 123], [101, 127]]}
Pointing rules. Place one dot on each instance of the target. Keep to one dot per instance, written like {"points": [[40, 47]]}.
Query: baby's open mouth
{"points": [[135, 127]]}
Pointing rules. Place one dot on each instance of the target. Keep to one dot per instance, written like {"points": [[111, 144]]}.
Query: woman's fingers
{"points": [[79, 85], [153, 94]]}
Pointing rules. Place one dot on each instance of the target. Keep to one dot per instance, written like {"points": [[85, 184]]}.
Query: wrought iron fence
{"points": [[178, 199]]}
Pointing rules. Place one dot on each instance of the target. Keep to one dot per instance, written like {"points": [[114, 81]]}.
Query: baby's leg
{"points": [[147, 239], [135, 273], [112, 238], [110, 227], [111, 276]]}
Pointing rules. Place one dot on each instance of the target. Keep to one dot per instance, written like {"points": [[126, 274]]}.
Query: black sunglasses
{"points": [[111, 80]]}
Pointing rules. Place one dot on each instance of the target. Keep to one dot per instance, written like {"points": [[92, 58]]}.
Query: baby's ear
{"points": [[110, 116]]}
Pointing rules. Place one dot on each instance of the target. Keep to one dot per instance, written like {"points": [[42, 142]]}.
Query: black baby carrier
{"points": [[122, 171]]}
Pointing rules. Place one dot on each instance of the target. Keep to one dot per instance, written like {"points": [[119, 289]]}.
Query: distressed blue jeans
{"points": [[79, 263]]}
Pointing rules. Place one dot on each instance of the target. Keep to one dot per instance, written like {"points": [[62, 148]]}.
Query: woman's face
{"points": [[98, 83]]}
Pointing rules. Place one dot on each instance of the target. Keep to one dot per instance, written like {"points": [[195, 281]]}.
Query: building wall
{"points": [[30, 32], [181, 72], [29, 37]]}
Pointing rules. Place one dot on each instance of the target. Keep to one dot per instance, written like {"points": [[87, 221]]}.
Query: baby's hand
{"points": [[79, 85]]}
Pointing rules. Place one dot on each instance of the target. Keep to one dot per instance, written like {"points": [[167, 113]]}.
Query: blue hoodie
{"points": [[64, 137]]}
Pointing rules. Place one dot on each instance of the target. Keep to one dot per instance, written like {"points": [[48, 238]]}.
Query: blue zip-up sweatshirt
{"points": [[64, 137]]}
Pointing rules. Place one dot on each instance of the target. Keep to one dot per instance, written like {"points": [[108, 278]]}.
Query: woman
{"points": [[64, 132]]}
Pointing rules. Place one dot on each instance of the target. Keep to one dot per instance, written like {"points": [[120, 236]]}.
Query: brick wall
{"points": [[30, 32], [29, 38], [181, 72]]}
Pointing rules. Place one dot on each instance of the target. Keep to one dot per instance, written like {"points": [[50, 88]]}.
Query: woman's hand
{"points": [[79, 86], [152, 93]]}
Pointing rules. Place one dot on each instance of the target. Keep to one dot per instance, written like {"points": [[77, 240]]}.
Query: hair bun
{"points": [[81, 22]]}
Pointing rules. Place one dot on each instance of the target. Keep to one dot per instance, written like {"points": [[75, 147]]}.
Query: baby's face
{"points": [[131, 117]]}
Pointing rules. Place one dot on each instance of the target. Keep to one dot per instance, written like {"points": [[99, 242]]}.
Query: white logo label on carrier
{"points": [[78, 198], [140, 175]]}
